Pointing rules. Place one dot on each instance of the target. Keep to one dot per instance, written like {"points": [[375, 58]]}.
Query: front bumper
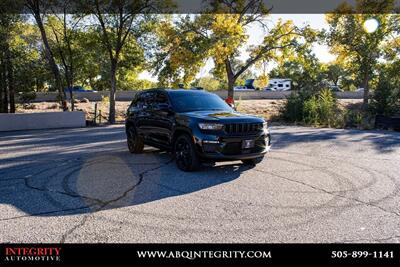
{"points": [[225, 148]]}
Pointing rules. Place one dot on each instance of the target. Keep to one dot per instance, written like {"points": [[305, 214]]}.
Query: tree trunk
{"points": [[231, 84], [52, 63], [111, 116], [69, 82], [231, 78], [2, 85], [5, 89], [10, 79], [366, 92]]}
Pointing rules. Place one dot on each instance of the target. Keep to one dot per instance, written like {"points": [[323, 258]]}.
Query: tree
{"points": [[208, 82], [63, 28], [119, 22], [35, 6], [222, 35], [351, 41], [6, 68], [302, 67], [181, 52]]}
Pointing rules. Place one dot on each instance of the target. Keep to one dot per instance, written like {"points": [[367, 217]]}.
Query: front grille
{"points": [[243, 128]]}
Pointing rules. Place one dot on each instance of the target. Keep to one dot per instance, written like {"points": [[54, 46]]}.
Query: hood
{"points": [[223, 116]]}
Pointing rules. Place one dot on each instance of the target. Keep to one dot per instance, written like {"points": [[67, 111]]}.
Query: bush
{"points": [[310, 111], [386, 98], [293, 109], [105, 100], [327, 107], [353, 119], [318, 109]]}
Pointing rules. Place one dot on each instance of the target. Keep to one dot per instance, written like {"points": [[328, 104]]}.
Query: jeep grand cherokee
{"points": [[196, 126]]}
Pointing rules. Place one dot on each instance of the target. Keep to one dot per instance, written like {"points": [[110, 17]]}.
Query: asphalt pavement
{"points": [[316, 185]]}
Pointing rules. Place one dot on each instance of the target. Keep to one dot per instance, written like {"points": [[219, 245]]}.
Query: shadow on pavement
{"points": [[79, 171]]}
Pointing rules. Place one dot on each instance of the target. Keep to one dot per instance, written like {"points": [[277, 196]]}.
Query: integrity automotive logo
{"points": [[32, 254]]}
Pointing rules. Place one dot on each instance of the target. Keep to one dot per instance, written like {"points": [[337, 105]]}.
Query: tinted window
{"points": [[184, 102], [148, 99], [161, 98]]}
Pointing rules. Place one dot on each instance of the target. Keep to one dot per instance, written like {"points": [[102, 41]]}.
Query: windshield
{"points": [[198, 102]]}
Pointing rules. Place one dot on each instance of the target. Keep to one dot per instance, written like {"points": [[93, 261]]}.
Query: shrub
{"points": [[327, 107], [386, 98], [311, 111], [319, 108], [293, 109], [105, 100], [353, 118]]}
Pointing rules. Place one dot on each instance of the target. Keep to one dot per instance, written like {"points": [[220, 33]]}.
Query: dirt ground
{"points": [[269, 109]]}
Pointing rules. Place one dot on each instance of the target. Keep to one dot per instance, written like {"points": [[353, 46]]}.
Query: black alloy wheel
{"points": [[135, 142], [185, 154]]}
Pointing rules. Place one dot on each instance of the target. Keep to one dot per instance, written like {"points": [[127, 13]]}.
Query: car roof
{"points": [[172, 91]]}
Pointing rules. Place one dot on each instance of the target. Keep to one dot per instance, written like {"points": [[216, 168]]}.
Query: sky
{"points": [[316, 21]]}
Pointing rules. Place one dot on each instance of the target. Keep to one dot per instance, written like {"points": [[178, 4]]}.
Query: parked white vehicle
{"points": [[279, 85]]}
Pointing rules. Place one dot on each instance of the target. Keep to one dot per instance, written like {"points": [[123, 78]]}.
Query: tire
{"points": [[135, 142], [185, 154], [252, 162]]}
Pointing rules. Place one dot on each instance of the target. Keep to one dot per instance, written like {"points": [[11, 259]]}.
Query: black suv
{"points": [[196, 126]]}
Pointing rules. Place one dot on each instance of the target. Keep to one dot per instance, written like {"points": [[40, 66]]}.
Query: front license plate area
{"points": [[246, 144]]}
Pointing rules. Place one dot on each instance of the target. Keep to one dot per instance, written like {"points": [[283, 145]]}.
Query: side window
{"points": [[148, 100], [134, 104], [161, 98], [139, 102]]}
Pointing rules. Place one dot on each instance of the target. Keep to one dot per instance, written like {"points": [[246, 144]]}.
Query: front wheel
{"points": [[252, 161], [185, 154]]}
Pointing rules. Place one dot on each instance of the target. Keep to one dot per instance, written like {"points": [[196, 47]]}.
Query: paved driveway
{"points": [[82, 185]]}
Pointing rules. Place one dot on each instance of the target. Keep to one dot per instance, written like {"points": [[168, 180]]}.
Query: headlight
{"points": [[211, 126], [265, 126]]}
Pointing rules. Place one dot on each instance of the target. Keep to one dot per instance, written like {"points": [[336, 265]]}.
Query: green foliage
{"points": [[294, 107], [358, 49], [327, 107], [352, 118], [311, 114], [208, 83], [386, 98], [303, 68], [105, 100], [318, 109]]}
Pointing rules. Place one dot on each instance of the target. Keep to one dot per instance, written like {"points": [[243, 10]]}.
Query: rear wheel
{"points": [[135, 142], [185, 154], [252, 161]]}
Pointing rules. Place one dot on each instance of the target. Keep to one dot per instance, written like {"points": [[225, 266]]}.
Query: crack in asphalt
{"points": [[47, 190], [47, 213], [330, 193], [107, 203]]}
